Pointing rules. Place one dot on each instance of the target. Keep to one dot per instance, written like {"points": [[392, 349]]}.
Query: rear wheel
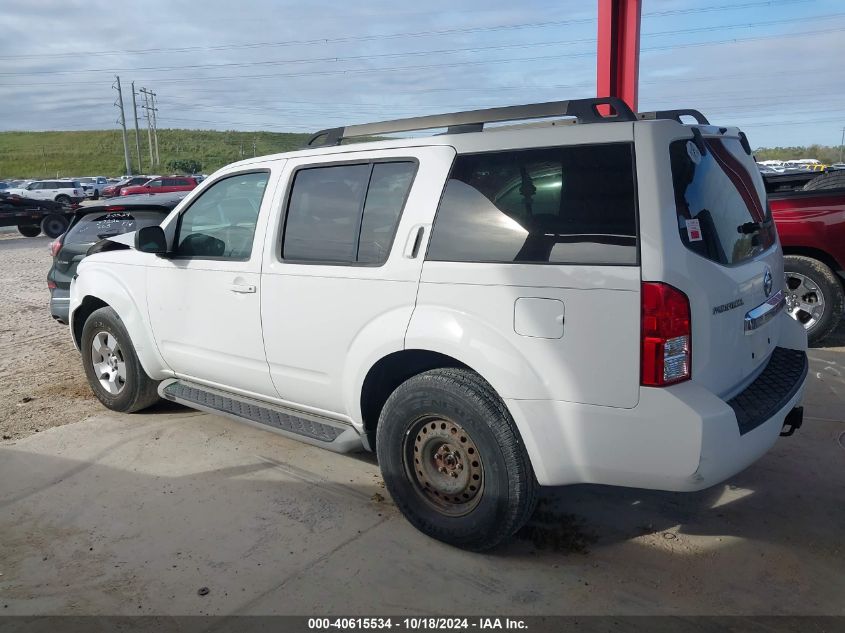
{"points": [[29, 230], [814, 296], [96, 195], [54, 225], [111, 364], [453, 460], [63, 199]]}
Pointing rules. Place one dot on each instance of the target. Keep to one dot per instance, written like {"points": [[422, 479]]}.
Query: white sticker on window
{"points": [[694, 231], [693, 152]]}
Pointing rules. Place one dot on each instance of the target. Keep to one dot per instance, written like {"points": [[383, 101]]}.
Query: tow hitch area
{"points": [[793, 421]]}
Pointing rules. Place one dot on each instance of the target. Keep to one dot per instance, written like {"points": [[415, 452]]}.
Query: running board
{"points": [[306, 427]]}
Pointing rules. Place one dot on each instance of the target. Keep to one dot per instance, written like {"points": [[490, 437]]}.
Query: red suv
{"points": [[162, 184]]}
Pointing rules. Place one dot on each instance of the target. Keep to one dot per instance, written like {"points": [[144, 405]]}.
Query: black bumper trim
{"points": [[772, 390]]}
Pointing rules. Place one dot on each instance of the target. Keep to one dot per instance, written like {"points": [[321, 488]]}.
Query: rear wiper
{"points": [[749, 227]]}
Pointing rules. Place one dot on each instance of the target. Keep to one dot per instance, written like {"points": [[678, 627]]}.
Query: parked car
{"points": [[61, 191], [92, 224], [489, 310], [162, 184], [111, 191], [4, 185], [94, 186], [811, 224]]}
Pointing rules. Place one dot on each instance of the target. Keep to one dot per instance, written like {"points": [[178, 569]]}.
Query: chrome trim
{"points": [[764, 312]]}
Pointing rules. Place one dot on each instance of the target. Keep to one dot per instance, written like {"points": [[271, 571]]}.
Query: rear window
{"points": [[97, 226], [720, 201], [557, 205]]}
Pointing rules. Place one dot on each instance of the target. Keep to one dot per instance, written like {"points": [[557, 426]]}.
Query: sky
{"points": [[775, 68]]}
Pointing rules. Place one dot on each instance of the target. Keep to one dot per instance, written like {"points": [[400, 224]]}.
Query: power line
{"points": [[356, 71], [432, 33], [444, 51]]}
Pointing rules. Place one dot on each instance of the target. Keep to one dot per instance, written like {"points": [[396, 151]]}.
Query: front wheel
{"points": [[453, 461], [814, 296], [29, 230], [111, 364]]}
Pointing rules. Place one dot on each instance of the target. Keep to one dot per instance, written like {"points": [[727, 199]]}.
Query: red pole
{"points": [[618, 58]]}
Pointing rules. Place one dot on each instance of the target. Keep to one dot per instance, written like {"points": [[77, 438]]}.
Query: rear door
{"points": [[342, 266], [714, 239]]}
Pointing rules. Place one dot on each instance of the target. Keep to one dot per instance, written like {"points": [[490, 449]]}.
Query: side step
{"points": [[306, 427]]}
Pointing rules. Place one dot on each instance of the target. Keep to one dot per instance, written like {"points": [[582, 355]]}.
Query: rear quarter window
{"points": [[559, 205]]}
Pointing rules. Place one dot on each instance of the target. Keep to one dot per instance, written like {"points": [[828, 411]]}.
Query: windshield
{"points": [[721, 203], [97, 226]]}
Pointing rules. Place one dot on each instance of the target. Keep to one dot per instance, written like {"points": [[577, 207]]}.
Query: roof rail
{"points": [[674, 115], [584, 110]]}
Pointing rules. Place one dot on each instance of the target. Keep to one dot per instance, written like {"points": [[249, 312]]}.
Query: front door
{"points": [[204, 300]]}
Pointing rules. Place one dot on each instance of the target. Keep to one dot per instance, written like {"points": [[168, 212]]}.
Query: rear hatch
{"points": [[719, 247], [90, 229]]}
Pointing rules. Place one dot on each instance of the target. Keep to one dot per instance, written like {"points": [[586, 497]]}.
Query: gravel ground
{"points": [[41, 380]]}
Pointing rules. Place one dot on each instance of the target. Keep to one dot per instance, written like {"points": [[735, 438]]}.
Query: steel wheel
{"points": [[804, 299], [108, 362], [445, 465]]}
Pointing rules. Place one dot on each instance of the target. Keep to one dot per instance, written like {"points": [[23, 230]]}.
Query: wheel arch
{"points": [[814, 253], [388, 373]]}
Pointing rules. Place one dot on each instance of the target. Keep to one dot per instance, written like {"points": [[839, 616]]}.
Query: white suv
{"points": [[489, 309], [62, 191]]}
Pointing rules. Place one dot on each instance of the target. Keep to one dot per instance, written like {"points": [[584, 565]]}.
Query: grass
{"points": [[100, 152]]}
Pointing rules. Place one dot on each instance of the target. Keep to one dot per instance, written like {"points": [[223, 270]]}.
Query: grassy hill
{"points": [[100, 152]]}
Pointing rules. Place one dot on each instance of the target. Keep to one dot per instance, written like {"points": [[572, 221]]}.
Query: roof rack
{"points": [[584, 110], [674, 115]]}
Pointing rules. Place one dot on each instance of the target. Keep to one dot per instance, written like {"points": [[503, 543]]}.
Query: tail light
{"points": [[51, 285], [55, 247], [666, 335]]}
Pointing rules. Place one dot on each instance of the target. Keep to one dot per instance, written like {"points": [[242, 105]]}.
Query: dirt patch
{"points": [[549, 529], [41, 379]]}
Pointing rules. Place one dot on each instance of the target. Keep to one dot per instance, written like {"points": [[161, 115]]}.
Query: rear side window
{"points": [[720, 201], [557, 205], [346, 213], [97, 226]]}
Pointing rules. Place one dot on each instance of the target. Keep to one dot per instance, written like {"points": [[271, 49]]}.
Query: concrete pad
{"points": [[133, 514]]}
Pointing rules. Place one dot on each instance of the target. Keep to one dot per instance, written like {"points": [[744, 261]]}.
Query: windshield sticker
{"points": [[693, 152], [694, 231]]}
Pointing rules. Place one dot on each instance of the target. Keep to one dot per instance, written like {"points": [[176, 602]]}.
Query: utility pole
{"points": [[122, 121], [841, 143], [137, 133], [146, 94], [155, 128], [253, 148]]}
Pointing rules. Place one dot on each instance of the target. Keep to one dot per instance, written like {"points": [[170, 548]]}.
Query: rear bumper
{"points": [[680, 438], [60, 304]]}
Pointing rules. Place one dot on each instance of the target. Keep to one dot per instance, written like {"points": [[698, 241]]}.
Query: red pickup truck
{"points": [[811, 226]]}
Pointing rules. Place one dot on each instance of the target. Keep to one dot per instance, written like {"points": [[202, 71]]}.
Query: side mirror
{"points": [[151, 239]]}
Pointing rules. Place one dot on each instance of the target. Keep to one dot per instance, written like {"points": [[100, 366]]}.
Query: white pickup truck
{"points": [[587, 299]]}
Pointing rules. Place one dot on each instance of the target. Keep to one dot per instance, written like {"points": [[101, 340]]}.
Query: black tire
{"points": [[829, 287], [138, 391], [29, 230], [96, 195], [433, 404], [63, 199], [829, 180], [54, 225]]}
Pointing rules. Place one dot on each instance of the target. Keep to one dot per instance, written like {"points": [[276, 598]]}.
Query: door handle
{"points": [[242, 288]]}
